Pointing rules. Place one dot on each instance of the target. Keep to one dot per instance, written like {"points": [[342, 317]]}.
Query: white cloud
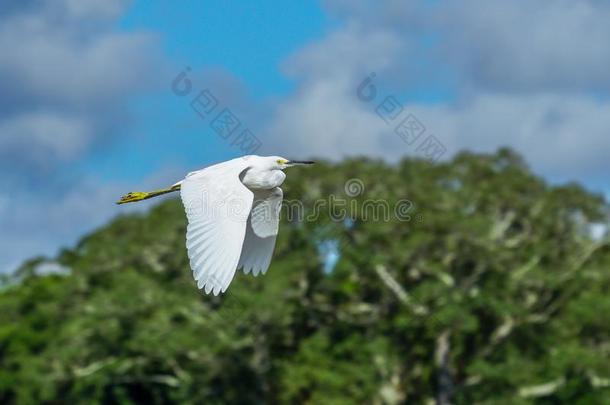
{"points": [[549, 45], [520, 73], [519, 45], [559, 136], [65, 73], [92, 8], [349, 53], [35, 225], [324, 117], [523, 74], [43, 136]]}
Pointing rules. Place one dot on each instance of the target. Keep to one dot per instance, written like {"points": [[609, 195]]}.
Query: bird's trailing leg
{"points": [[136, 196]]}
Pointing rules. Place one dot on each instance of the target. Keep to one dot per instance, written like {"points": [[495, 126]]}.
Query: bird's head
{"points": [[280, 163]]}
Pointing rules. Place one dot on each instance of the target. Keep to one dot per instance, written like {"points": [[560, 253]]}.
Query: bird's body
{"points": [[233, 215], [256, 179]]}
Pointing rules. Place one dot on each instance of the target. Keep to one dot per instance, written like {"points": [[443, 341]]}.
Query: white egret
{"points": [[233, 212]]}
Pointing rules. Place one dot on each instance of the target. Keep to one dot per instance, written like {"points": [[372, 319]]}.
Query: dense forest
{"points": [[489, 287]]}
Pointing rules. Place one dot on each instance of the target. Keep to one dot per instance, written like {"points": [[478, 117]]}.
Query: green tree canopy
{"points": [[487, 288]]}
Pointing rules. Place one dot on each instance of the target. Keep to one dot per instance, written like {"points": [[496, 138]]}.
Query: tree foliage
{"points": [[492, 291]]}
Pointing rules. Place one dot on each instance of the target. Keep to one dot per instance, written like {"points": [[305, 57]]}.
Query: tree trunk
{"points": [[444, 379]]}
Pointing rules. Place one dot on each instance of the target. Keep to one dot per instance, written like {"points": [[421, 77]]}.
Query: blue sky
{"points": [[249, 39], [248, 42], [87, 108]]}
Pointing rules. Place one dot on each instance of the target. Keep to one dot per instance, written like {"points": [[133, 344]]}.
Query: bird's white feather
{"points": [[261, 231], [217, 206]]}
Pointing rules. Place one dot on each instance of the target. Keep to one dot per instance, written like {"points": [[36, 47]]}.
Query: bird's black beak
{"points": [[301, 162]]}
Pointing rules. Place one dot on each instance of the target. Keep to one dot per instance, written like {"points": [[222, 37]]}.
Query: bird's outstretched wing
{"points": [[261, 231], [217, 207]]}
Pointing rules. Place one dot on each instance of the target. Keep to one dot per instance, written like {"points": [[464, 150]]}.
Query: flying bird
{"points": [[233, 211]]}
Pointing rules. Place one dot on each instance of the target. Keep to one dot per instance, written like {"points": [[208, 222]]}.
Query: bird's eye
{"points": [[280, 161]]}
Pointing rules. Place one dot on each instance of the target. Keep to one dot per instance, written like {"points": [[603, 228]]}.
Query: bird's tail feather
{"points": [[136, 196]]}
